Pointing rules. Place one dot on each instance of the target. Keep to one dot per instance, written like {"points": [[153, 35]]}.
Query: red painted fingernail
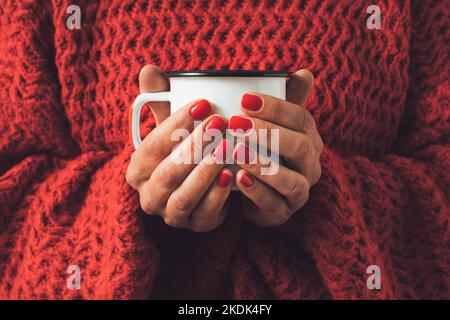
{"points": [[246, 180], [201, 109], [215, 123], [251, 102], [223, 149], [240, 123], [242, 154], [224, 179]]}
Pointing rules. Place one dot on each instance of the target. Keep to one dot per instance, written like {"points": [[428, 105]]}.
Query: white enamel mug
{"points": [[224, 89]]}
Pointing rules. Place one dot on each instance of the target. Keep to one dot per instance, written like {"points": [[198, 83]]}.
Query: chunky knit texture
{"points": [[380, 103]]}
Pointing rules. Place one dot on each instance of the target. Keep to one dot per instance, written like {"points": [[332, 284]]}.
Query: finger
{"points": [[293, 186], [159, 143], [209, 213], [174, 169], [295, 147], [279, 111], [300, 86], [299, 89], [272, 208], [151, 79], [185, 198]]}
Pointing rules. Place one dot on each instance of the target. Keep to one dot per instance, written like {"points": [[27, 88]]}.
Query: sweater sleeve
{"points": [[391, 211], [33, 127], [32, 118]]}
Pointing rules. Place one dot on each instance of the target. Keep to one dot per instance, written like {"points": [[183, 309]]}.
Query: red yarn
{"points": [[380, 103]]}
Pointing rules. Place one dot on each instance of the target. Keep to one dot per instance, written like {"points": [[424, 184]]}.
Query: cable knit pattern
{"points": [[380, 103]]}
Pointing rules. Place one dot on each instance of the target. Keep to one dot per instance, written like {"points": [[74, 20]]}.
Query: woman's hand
{"points": [[271, 199], [183, 193]]}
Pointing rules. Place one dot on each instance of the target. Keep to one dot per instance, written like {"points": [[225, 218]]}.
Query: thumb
{"points": [[299, 87], [151, 79]]}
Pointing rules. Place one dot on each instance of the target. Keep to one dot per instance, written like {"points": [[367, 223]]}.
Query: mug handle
{"points": [[142, 99]]}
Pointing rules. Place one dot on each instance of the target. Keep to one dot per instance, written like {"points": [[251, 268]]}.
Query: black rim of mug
{"points": [[226, 73]]}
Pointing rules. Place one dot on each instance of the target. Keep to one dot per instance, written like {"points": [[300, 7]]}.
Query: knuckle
{"points": [[272, 204], [132, 175], [281, 217], [209, 222], [267, 201], [304, 119], [203, 172], [202, 227], [301, 199], [146, 205], [172, 221], [303, 146], [319, 146], [273, 219], [152, 147], [297, 188], [181, 204], [258, 195], [179, 119], [308, 121], [196, 147], [277, 110], [267, 128], [316, 174], [164, 176], [198, 228]]}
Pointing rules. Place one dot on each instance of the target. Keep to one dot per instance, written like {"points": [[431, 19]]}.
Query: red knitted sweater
{"points": [[380, 103]]}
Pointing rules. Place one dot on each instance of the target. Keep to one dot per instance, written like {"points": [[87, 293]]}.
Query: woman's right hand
{"points": [[184, 193]]}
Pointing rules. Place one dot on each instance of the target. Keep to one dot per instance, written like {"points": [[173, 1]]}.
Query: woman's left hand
{"points": [[271, 199]]}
